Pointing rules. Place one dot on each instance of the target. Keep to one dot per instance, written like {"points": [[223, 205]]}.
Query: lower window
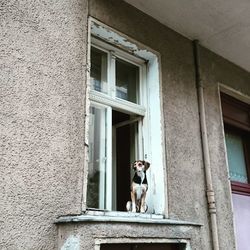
{"points": [[146, 246]]}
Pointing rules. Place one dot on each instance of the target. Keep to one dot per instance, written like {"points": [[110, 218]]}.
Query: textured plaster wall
{"points": [[42, 65]]}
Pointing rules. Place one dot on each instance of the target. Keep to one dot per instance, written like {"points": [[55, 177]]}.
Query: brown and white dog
{"points": [[139, 187]]}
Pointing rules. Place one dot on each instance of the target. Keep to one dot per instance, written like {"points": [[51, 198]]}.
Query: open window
{"points": [[236, 116], [124, 122]]}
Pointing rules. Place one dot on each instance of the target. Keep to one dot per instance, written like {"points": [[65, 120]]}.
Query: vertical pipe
{"points": [[204, 138]]}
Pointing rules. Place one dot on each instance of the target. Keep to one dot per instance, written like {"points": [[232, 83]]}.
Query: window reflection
{"points": [[98, 71], [127, 81]]}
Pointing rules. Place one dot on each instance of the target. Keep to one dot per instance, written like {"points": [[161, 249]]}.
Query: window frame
{"points": [[110, 98], [238, 124], [111, 102], [156, 151]]}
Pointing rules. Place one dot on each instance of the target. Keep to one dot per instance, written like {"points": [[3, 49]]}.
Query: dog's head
{"points": [[141, 166]]}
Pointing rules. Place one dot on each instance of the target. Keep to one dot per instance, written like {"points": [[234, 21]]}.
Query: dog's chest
{"points": [[140, 179]]}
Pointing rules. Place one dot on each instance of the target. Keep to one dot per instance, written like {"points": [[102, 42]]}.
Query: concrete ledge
{"points": [[122, 217]]}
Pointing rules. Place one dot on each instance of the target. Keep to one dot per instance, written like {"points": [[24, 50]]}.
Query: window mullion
{"points": [[112, 75], [109, 177]]}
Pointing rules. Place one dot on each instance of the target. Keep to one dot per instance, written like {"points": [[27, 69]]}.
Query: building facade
{"points": [[90, 86]]}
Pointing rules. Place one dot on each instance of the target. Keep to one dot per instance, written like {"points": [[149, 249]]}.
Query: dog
{"points": [[139, 187]]}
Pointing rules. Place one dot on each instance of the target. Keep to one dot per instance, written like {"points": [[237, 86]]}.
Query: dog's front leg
{"points": [[143, 207], [133, 199]]}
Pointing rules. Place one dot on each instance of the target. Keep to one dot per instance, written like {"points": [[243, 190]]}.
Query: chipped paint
{"points": [[120, 41]]}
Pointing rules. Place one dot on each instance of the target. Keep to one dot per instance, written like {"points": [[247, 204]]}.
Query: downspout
{"points": [[204, 138]]}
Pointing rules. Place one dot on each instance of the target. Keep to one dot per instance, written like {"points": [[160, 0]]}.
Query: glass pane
{"points": [[236, 158], [97, 158], [127, 81], [98, 72]]}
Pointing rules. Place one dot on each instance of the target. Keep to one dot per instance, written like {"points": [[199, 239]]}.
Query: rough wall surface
{"points": [[42, 65]]}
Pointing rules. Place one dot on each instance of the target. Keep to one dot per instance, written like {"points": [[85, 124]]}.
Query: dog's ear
{"points": [[133, 166], [146, 164]]}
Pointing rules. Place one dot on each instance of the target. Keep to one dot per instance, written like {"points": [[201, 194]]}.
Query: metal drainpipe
{"points": [[204, 138]]}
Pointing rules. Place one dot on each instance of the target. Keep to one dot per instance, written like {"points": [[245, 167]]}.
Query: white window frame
{"points": [[110, 98], [152, 133], [109, 101]]}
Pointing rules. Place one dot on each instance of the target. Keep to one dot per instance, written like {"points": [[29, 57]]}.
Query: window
{"points": [[124, 114], [115, 126], [236, 116], [144, 246]]}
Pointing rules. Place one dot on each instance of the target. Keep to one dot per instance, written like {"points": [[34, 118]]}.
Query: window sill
{"points": [[240, 188], [122, 217]]}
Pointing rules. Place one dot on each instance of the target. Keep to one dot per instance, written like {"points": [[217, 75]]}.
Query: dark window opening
{"points": [[125, 146], [144, 246]]}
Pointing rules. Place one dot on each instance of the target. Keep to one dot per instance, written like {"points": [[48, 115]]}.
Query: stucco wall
{"points": [[42, 65]]}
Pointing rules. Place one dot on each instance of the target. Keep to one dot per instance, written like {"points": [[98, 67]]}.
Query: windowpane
{"points": [[127, 81], [98, 71], [97, 157], [236, 158]]}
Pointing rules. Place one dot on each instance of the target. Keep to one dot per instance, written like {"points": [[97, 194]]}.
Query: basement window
{"points": [[144, 246], [236, 116], [124, 122]]}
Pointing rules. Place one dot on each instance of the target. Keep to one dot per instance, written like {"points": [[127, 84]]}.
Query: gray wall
{"points": [[43, 68], [42, 62]]}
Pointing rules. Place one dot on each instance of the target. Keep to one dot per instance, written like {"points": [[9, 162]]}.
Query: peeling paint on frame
{"points": [[120, 41]]}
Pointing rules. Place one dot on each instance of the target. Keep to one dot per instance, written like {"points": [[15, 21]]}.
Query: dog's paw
{"points": [[133, 208], [129, 206], [144, 208]]}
